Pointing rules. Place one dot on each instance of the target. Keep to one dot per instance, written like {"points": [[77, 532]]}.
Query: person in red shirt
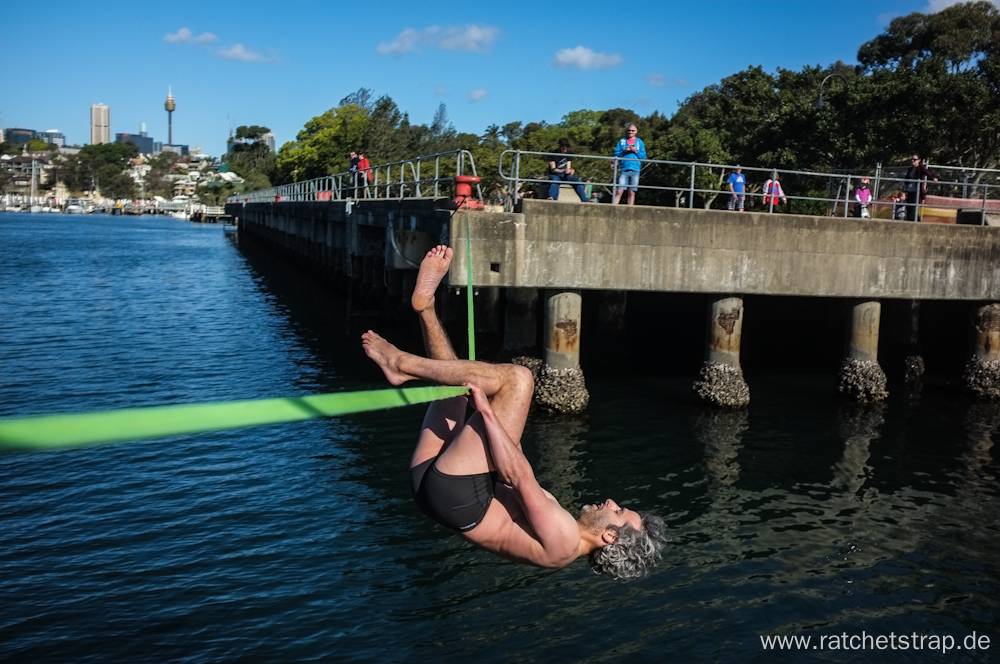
{"points": [[364, 172]]}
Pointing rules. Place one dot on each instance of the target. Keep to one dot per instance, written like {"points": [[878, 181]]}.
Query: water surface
{"points": [[801, 516]]}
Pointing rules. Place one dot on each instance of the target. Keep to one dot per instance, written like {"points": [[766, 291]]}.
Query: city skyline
{"points": [[486, 68]]}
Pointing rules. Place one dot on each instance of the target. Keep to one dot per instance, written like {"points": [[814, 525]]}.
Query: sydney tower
{"points": [[170, 106]]}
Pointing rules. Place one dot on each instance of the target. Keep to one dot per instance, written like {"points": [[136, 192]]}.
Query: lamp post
{"points": [[819, 103]]}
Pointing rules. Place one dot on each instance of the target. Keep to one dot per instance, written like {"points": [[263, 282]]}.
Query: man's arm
{"points": [[554, 527], [552, 167], [640, 150]]}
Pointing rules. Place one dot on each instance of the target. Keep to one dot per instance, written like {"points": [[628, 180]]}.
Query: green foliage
{"points": [[251, 133], [929, 83], [97, 166], [39, 145]]}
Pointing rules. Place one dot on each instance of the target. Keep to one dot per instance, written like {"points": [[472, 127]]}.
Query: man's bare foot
{"points": [[386, 356], [432, 270]]}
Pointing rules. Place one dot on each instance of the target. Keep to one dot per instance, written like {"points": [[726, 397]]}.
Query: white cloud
{"points": [[240, 52], [582, 57], [478, 94], [644, 101], [934, 6], [683, 83], [471, 38], [656, 80], [440, 91], [185, 36]]}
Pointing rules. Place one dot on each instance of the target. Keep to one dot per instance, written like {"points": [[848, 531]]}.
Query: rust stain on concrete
{"points": [[727, 321], [564, 336]]}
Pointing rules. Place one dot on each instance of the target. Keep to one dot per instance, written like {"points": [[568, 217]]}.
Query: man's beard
{"points": [[593, 520]]}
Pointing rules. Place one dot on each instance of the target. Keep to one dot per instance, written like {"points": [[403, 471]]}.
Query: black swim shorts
{"points": [[458, 502]]}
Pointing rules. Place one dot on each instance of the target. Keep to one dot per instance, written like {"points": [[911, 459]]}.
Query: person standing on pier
{"points": [[737, 187], [629, 151], [364, 172], [916, 185], [471, 476]]}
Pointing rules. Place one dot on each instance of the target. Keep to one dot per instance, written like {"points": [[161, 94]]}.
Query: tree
{"points": [[960, 35], [251, 133], [939, 79], [322, 147]]}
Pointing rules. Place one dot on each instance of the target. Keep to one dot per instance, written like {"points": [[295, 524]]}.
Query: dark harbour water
{"points": [[800, 517]]}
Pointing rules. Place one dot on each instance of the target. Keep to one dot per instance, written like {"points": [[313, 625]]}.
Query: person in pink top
{"points": [[862, 197]]}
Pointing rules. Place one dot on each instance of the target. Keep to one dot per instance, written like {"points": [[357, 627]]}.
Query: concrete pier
{"points": [[560, 386], [982, 373], [371, 248], [861, 378], [720, 381]]}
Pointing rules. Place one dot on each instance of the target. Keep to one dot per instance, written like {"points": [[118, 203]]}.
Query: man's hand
{"points": [[479, 400]]}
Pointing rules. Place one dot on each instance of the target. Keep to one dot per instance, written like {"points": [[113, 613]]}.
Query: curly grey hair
{"points": [[634, 554]]}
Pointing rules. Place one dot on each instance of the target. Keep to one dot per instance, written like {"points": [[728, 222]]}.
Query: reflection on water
{"points": [[799, 515]]}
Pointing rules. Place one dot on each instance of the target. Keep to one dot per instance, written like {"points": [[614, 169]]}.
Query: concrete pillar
{"points": [[720, 381], [487, 300], [560, 386], [913, 363], [861, 377], [520, 327], [520, 330], [982, 373], [611, 305]]}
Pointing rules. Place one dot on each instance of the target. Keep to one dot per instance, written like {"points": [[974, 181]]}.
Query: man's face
{"points": [[353, 155], [631, 131], [914, 159], [597, 518], [563, 148]]}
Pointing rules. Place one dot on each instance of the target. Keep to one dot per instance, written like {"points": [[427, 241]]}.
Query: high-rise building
{"points": [[18, 135], [268, 139], [100, 124]]}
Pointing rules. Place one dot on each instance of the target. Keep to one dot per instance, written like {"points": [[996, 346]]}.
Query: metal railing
{"points": [[980, 196], [399, 179]]}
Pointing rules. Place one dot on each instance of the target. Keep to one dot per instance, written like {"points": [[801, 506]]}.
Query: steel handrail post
{"points": [[517, 176], [982, 215], [418, 180], [921, 187], [774, 175], [472, 164], [690, 189], [614, 181], [437, 175], [847, 194]]}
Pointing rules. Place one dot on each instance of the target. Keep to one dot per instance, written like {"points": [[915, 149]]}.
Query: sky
{"points": [[278, 64]]}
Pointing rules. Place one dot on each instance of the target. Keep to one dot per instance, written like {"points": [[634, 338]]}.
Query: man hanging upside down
{"points": [[471, 476]]}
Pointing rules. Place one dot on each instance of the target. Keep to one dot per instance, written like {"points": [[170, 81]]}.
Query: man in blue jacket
{"points": [[629, 151]]}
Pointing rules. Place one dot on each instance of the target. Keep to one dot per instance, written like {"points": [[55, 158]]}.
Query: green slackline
{"points": [[42, 432], [472, 313]]}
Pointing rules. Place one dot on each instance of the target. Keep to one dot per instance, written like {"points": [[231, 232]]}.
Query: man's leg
{"points": [[445, 418], [620, 188], [581, 190], [555, 179], [508, 386], [633, 181]]}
